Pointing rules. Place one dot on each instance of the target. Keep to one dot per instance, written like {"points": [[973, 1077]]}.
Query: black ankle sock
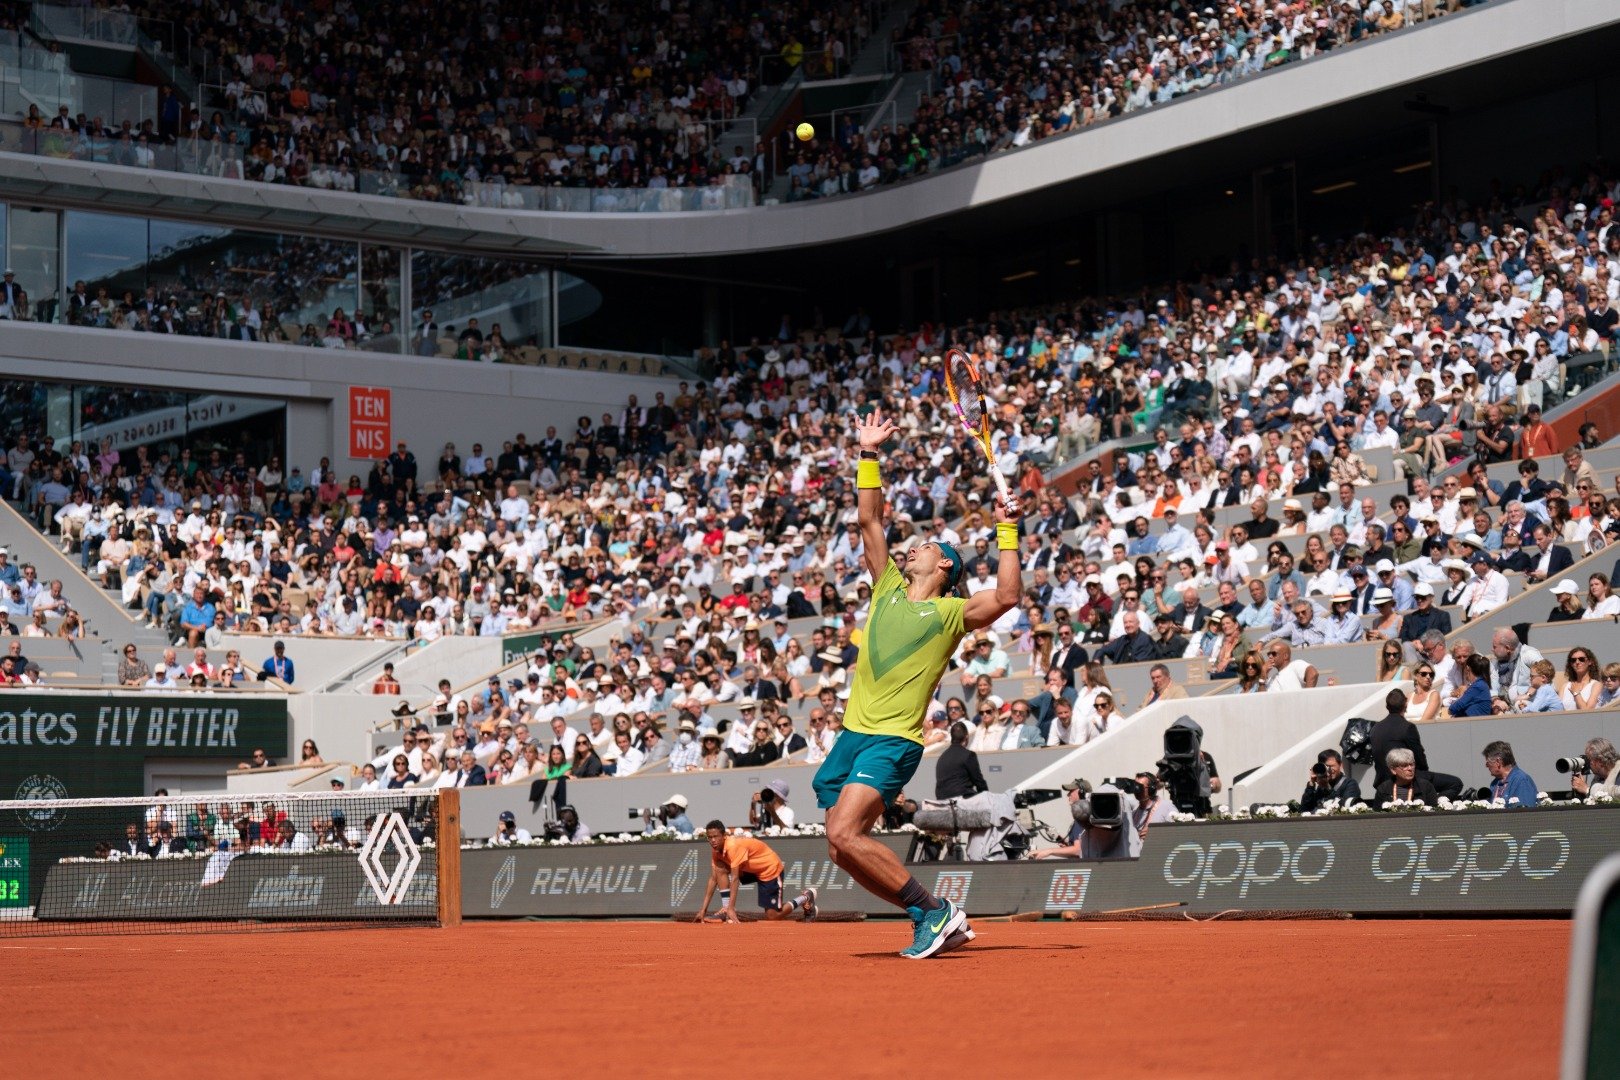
{"points": [[912, 894]]}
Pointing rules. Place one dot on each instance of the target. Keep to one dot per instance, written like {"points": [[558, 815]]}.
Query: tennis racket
{"points": [[965, 386]]}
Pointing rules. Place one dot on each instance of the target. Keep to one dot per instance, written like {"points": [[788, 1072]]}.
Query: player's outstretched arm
{"points": [[984, 608], [871, 432]]}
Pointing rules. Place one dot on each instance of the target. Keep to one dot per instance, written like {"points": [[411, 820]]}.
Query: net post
{"points": [[448, 849]]}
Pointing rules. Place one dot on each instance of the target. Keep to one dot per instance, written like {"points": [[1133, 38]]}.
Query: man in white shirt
{"points": [[628, 758], [1286, 672], [162, 678], [1489, 590]]}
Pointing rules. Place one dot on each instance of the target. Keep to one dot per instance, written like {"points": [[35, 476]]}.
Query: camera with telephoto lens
{"points": [[1319, 770], [1023, 800], [1576, 764], [638, 812], [554, 830], [1128, 784], [1107, 810], [1183, 770], [767, 796]]}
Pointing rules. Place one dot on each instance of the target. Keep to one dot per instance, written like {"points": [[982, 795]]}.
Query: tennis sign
{"points": [[371, 412]]}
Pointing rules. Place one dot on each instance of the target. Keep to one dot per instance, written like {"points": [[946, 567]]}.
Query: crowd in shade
{"points": [[715, 523], [1005, 75], [472, 103], [459, 100]]}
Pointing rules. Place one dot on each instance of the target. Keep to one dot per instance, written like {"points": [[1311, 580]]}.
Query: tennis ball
{"points": [[805, 132]]}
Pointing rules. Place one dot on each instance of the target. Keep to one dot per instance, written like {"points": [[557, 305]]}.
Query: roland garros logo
{"points": [[41, 788]]}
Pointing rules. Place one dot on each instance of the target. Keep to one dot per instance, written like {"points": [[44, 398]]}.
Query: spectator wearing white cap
{"points": [[1566, 602], [1399, 587], [1426, 615], [162, 678]]}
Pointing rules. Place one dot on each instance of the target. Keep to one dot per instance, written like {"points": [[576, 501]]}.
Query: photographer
{"points": [[1600, 757], [669, 817], [1102, 826], [568, 827], [769, 807], [507, 832], [1329, 783]]}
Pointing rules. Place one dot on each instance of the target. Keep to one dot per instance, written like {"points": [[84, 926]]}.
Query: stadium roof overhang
{"points": [[1499, 50]]}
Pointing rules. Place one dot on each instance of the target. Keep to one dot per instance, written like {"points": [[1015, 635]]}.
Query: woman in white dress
{"points": [[1423, 703]]}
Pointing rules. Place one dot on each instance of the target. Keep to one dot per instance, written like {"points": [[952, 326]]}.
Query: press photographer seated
{"points": [[769, 807], [1600, 758], [1329, 782]]}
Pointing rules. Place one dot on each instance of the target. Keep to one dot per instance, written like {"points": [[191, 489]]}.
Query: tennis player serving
{"points": [[911, 633]]}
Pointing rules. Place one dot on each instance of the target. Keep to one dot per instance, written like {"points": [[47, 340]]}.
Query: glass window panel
{"points": [[35, 254], [107, 253], [499, 304], [380, 297]]}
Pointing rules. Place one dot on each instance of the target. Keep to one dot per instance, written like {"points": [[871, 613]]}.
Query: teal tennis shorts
{"points": [[885, 762]]}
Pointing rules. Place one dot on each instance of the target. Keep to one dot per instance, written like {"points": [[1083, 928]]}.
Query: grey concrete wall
{"points": [[604, 804], [434, 400], [316, 661]]}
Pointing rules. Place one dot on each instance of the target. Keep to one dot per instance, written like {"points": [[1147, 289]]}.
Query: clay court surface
{"points": [[1251, 1000]]}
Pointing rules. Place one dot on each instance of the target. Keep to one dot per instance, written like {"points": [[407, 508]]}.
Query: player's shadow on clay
{"points": [[969, 952]]}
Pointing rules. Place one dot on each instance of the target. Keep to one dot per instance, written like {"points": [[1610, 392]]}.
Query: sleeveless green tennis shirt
{"points": [[905, 651]]}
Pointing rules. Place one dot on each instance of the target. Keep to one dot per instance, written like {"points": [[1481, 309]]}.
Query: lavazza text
{"points": [[129, 726]]}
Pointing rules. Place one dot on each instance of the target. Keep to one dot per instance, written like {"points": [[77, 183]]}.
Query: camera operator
{"points": [[958, 776], [1189, 780], [507, 832], [1153, 803], [1102, 826], [769, 807], [1600, 758], [671, 816], [568, 827], [1328, 782]]}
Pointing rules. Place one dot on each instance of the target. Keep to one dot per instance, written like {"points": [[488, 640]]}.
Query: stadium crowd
{"points": [[1075, 65], [715, 523], [466, 102], [474, 104]]}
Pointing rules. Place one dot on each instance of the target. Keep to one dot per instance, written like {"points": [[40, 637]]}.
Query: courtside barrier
{"points": [[1449, 863], [151, 865], [1475, 862]]}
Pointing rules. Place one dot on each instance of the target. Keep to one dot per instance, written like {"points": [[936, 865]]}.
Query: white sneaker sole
{"points": [[955, 923], [956, 940]]}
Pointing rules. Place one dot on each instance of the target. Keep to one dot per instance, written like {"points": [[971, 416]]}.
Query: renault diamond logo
{"points": [[686, 876], [389, 831], [502, 884]]}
